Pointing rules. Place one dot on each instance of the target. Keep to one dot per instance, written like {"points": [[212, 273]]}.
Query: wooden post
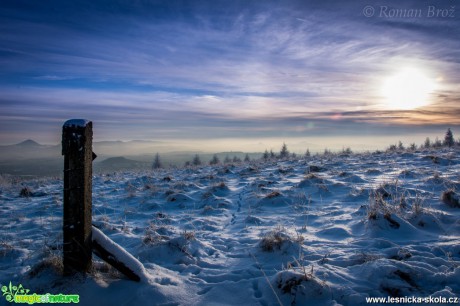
{"points": [[107, 250], [77, 138]]}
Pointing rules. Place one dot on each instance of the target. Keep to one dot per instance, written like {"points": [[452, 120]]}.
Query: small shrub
{"points": [[312, 176], [322, 187], [417, 205], [434, 159], [53, 262], [273, 194], [407, 277], [220, 185], [314, 168], [5, 248], [383, 192], [402, 254], [103, 270], [363, 257], [271, 242], [372, 215], [282, 170], [207, 209], [188, 235], [170, 192], [300, 282], [156, 234], [274, 241], [150, 238], [160, 215], [25, 192], [393, 223], [451, 198]]}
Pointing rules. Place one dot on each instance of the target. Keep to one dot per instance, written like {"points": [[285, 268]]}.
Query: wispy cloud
{"points": [[53, 78], [209, 71]]}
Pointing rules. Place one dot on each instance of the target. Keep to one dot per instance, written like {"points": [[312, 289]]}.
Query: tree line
{"points": [[284, 153], [448, 141]]}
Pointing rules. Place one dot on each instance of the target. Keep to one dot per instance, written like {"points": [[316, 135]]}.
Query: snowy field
{"points": [[323, 231]]}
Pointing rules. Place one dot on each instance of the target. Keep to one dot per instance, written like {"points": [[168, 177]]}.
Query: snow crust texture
{"points": [[329, 230]]}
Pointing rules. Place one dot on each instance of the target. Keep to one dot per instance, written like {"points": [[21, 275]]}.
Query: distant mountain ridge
{"points": [[28, 143], [32, 158]]}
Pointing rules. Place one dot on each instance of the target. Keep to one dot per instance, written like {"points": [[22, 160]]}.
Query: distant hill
{"points": [[28, 143], [32, 158], [119, 160], [29, 149]]}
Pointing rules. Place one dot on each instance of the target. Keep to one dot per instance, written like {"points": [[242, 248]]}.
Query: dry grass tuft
{"points": [[51, 263], [312, 176], [189, 235], [273, 241], [273, 194]]}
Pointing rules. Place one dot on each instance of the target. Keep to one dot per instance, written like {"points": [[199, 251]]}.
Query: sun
{"points": [[408, 89]]}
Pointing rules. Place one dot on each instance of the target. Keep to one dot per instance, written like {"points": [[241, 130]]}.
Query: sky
{"points": [[241, 75]]}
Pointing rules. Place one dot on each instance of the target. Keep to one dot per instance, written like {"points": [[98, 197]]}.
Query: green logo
{"points": [[18, 294], [10, 292]]}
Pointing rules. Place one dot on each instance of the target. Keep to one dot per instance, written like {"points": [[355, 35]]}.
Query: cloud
{"points": [[53, 78], [213, 70], [164, 115]]}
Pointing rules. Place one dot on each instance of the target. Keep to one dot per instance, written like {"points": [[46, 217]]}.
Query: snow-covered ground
{"points": [[322, 231]]}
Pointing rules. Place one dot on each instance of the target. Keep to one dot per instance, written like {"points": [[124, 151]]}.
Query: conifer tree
{"points": [[236, 159], [156, 162], [449, 138], [427, 143], [196, 160], [266, 155], [284, 153], [437, 143], [215, 160]]}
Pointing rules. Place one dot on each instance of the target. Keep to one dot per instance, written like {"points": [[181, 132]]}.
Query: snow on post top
{"points": [[76, 123]]}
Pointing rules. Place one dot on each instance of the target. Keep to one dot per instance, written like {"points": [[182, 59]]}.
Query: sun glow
{"points": [[408, 89]]}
